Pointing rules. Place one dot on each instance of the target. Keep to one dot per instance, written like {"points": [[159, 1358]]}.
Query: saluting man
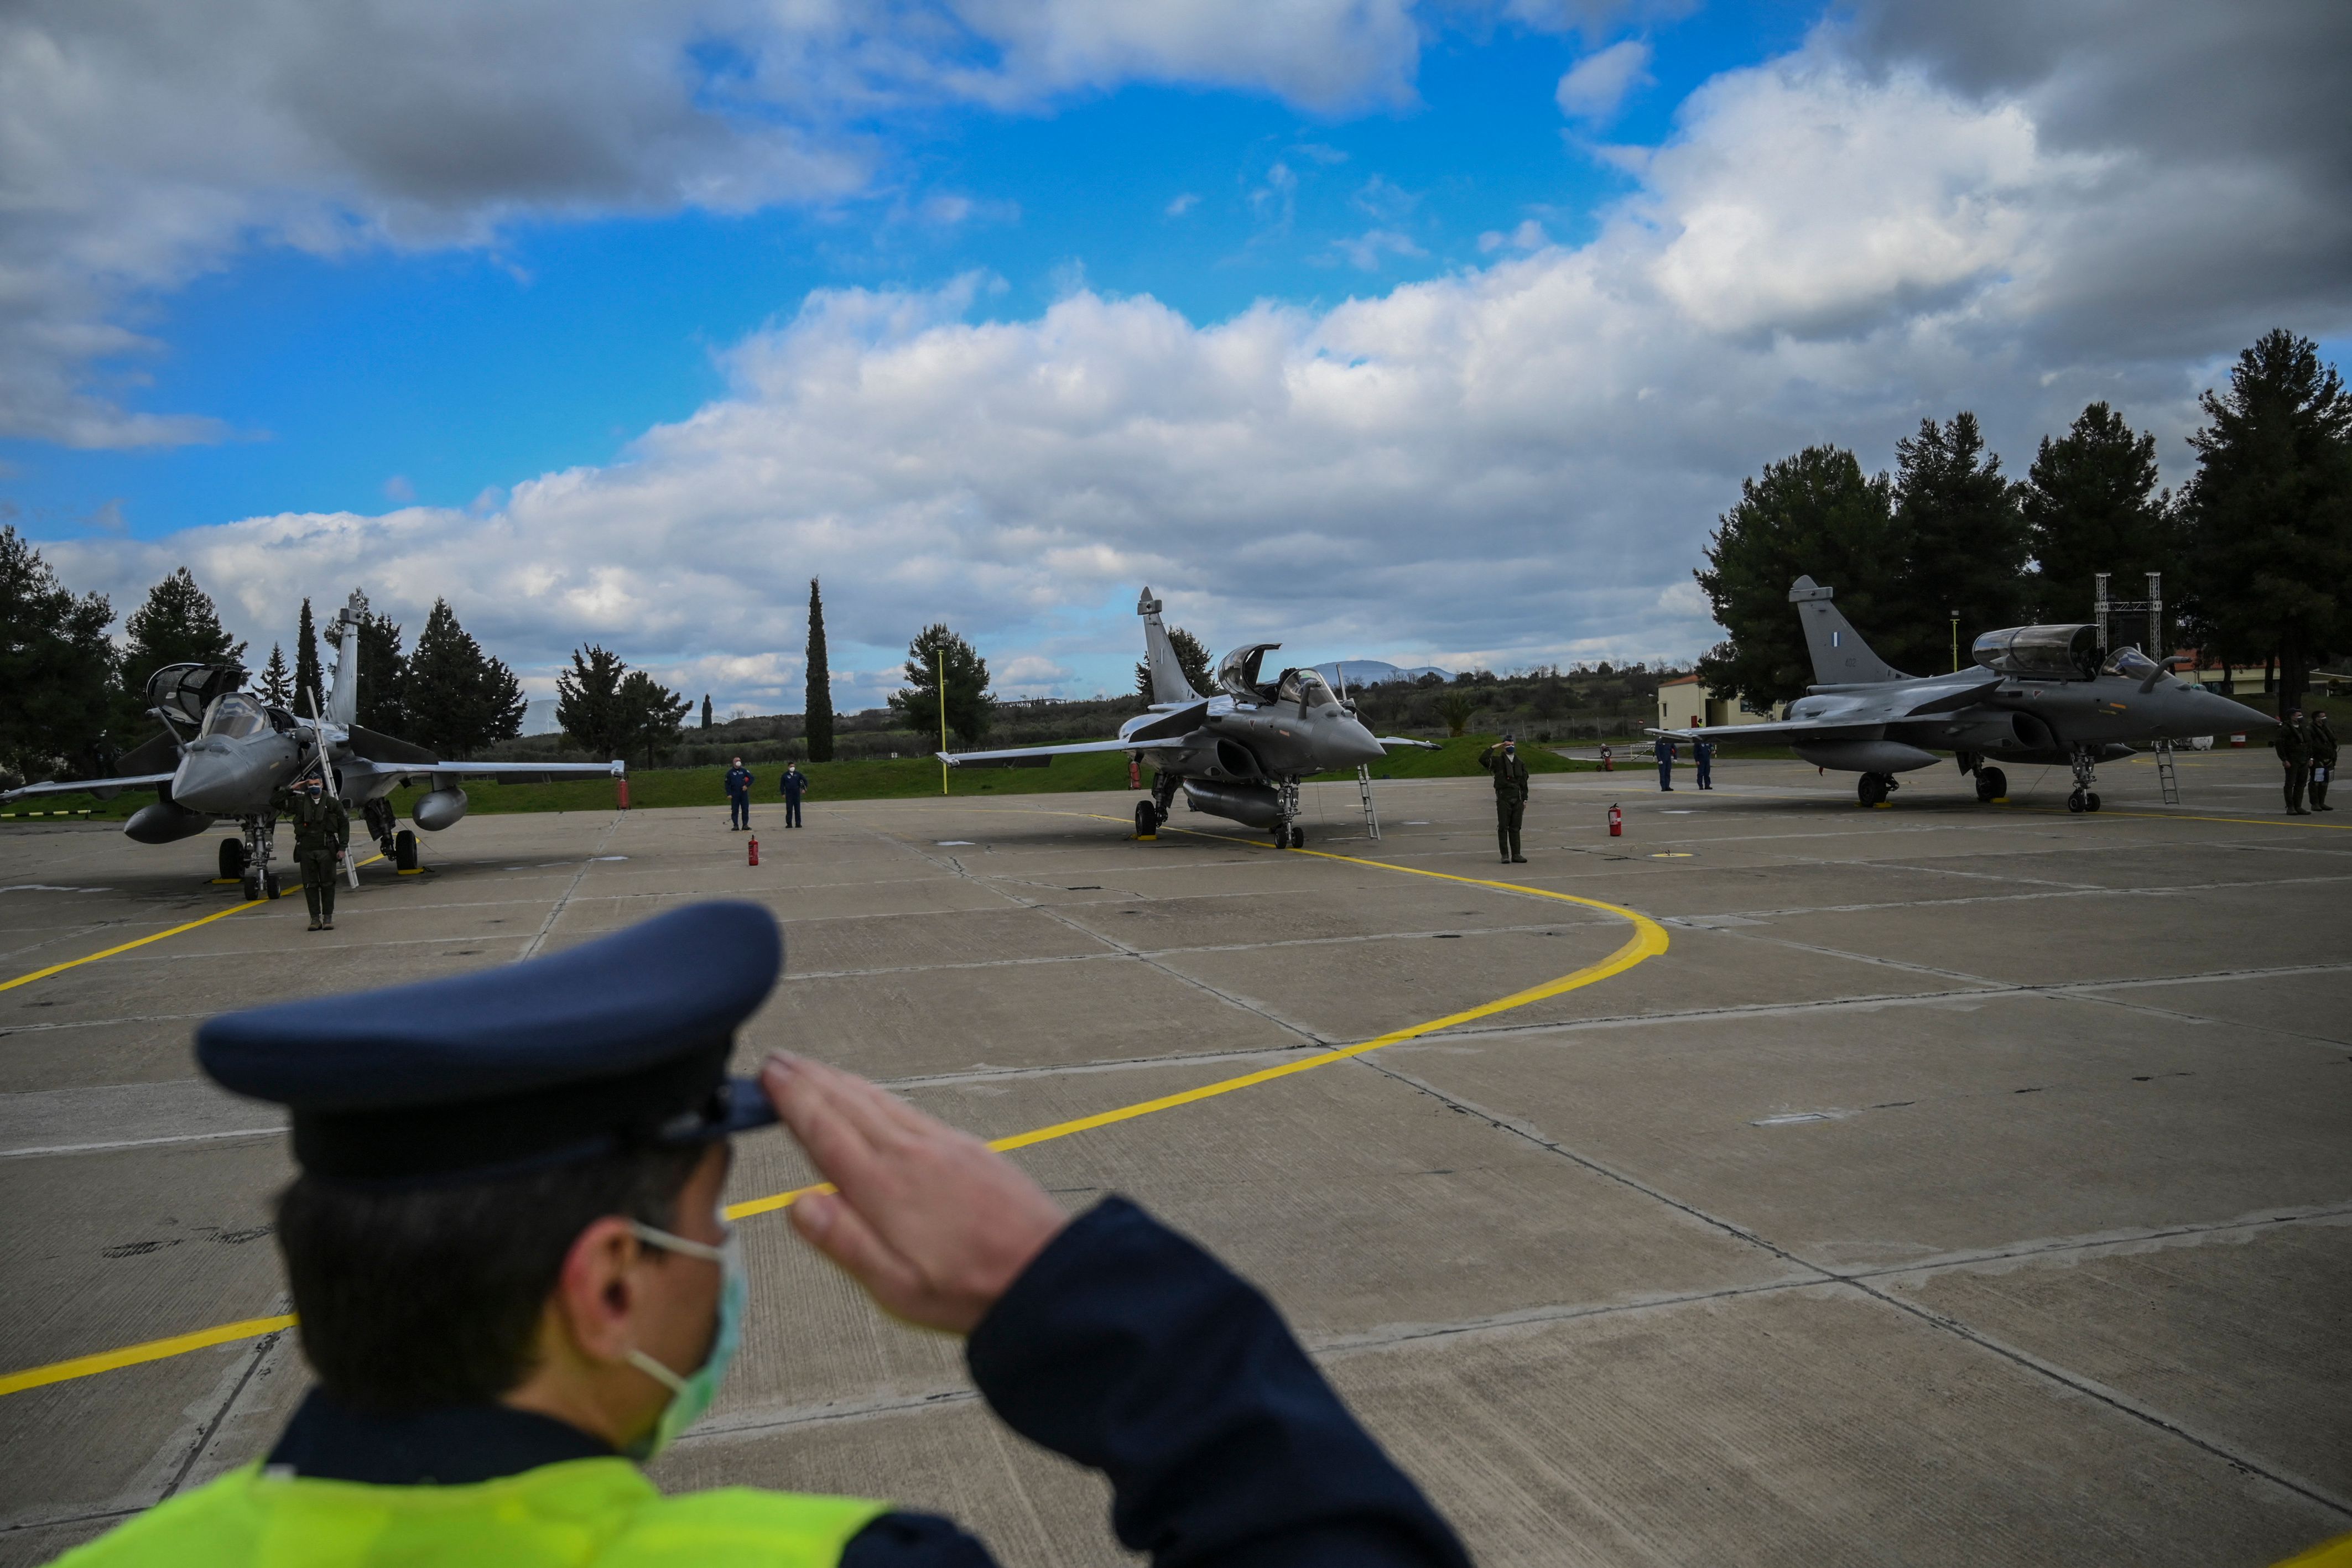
{"points": [[515, 1286], [323, 837], [1503, 760]]}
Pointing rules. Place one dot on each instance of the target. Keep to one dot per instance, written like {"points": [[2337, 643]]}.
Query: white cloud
{"points": [[1596, 86], [1365, 250], [146, 142], [1510, 464], [1528, 235], [1183, 203]]}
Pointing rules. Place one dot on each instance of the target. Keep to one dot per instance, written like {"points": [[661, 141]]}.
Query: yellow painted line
{"points": [[1649, 940], [132, 1355]]}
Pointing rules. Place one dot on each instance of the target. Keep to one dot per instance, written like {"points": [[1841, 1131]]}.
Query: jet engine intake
{"points": [[1863, 756], [164, 822], [1253, 805], [440, 809], [1998, 732], [2041, 652], [1236, 760]]}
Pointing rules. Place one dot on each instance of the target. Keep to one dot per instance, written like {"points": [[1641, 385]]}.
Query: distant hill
{"points": [[1375, 672]]}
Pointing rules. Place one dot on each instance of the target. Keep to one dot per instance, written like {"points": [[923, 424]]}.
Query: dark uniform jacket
{"points": [[320, 826], [2322, 741], [793, 785], [1124, 1347], [1510, 771], [739, 782], [2292, 742]]}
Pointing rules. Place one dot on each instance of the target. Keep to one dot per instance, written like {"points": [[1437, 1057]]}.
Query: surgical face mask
{"points": [[690, 1395]]}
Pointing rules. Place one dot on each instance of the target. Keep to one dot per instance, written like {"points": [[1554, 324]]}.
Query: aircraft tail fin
{"points": [[344, 701], [1840, 655], [1168, 684]]}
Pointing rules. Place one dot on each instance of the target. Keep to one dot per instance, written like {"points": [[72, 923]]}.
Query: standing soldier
{"points": [[795, 785], [2292, 744], [738, 797], [1502, 760], [1664, 752], [322, 833], [1703, 754], [2323, 759]]}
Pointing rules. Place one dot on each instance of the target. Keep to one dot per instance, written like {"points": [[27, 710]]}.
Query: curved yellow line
{"points": [[1648, 940]]}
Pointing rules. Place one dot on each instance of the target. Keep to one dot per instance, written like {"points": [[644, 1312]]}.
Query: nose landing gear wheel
{"points": [[1298, 837], [252, 887], [232, 860], [2090, 800], [2075, 802], [270, 885]]}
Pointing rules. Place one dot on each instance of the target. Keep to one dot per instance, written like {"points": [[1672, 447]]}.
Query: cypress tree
{"points": [[309, 677], [818, 720], [706, 710]]}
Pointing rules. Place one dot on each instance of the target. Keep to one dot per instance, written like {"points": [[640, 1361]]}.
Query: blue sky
{"points": [[350, 340]]}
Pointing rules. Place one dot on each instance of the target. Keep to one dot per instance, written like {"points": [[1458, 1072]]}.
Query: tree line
{"points": [[75, 701], [2255, 546]]}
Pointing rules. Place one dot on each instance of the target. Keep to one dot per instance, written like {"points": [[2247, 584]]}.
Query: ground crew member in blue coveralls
{"points": [[1703, 756], [795, 785], [738, 797], [515, 1285], [1664, 752]]}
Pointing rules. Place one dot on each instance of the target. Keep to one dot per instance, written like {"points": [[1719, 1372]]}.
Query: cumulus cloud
{"points": [[1507, 465], [1597, 84], [146, 142]]}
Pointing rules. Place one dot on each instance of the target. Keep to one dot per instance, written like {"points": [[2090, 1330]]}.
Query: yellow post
{"points": [[939, 674]]}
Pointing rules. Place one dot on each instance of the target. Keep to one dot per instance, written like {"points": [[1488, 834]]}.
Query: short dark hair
{"points": [[415, 1297]]}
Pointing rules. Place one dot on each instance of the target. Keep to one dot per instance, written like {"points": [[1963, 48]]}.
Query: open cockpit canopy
{"points": [[2041, 652], [183, 694]]}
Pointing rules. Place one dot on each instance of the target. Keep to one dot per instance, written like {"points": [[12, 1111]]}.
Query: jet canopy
{"points": [[1305, 687], [1237, 672], [2041, 652], [184, 692], [235, 716]]}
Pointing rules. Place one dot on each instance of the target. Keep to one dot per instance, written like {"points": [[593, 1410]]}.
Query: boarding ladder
{"points": [[1364, 785], [2167, 779]]}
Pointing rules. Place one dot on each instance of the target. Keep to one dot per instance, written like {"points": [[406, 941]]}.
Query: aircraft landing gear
{"points": [[382, 820], [254, 854], [1991, 785], [2083, 799], [403, 850], [1872, 788], [1287, 834], [232, 860], [1147, 819]]}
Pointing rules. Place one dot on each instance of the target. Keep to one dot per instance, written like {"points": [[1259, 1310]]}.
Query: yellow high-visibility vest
{"points": [[580, 1514]]}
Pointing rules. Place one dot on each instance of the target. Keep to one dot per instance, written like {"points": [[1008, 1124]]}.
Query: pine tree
{"points": [[1190, 653], [310, 676], [177, 625], [817, 720], [1814, 515], [1964, 547], [651, 713], [588, 703], [460, 699], [277, 681], [2270, 513], [2091, 505], [937, 651], [57, 666]]}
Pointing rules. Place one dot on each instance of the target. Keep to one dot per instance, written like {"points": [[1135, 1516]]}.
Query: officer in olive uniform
{"points": [[1502, 759], [2292, 744], [2323, 759], [516, 1285], [322, 833]]}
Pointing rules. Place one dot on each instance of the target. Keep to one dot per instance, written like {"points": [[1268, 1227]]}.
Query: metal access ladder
{"points": [[1364, 785], [2167, 779]]}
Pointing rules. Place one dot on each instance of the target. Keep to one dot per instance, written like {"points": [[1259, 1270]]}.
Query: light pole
{"points": [[939, 674], [1955, 641]]}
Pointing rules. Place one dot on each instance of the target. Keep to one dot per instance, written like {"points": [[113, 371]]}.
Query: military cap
{"points": [[619, 1042]]}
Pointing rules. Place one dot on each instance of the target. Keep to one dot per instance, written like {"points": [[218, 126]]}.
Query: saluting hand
{"points": [[932, 1221]]}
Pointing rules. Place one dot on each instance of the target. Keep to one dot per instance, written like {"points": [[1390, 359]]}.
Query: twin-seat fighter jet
{"points": [[1239, 754], [2036, 695], [224, 752]]}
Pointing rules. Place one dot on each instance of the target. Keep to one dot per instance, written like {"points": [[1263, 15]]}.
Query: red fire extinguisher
{"points": [[1134, 773], [1616, 823], [755, 852], [1608, 760]]}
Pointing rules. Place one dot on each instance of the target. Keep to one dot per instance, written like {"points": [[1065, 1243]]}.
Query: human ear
{"points": [[596, 1296]]}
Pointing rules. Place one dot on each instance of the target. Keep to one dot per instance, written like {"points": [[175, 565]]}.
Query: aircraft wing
{"points": [[1408, 740], [102, 788], [1786, 729], [1849, 708], [1039, 755], [515, 771]]}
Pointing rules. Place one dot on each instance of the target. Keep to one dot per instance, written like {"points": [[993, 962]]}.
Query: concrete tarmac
{"points": [[1960, 1183]]}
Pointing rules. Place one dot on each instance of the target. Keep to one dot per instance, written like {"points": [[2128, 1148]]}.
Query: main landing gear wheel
{"points": [[1991, 784], [403, 850], [232, 860], [1872, 788], [1147, 819]]}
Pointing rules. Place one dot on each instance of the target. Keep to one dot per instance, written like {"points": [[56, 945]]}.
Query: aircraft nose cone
{"points": [[208, 783], [1357, 745], [2240, 716]]}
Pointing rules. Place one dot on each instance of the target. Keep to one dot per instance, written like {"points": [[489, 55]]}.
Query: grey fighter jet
{"points": [[1239, 754], [2035, 694], [226, 753]]}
